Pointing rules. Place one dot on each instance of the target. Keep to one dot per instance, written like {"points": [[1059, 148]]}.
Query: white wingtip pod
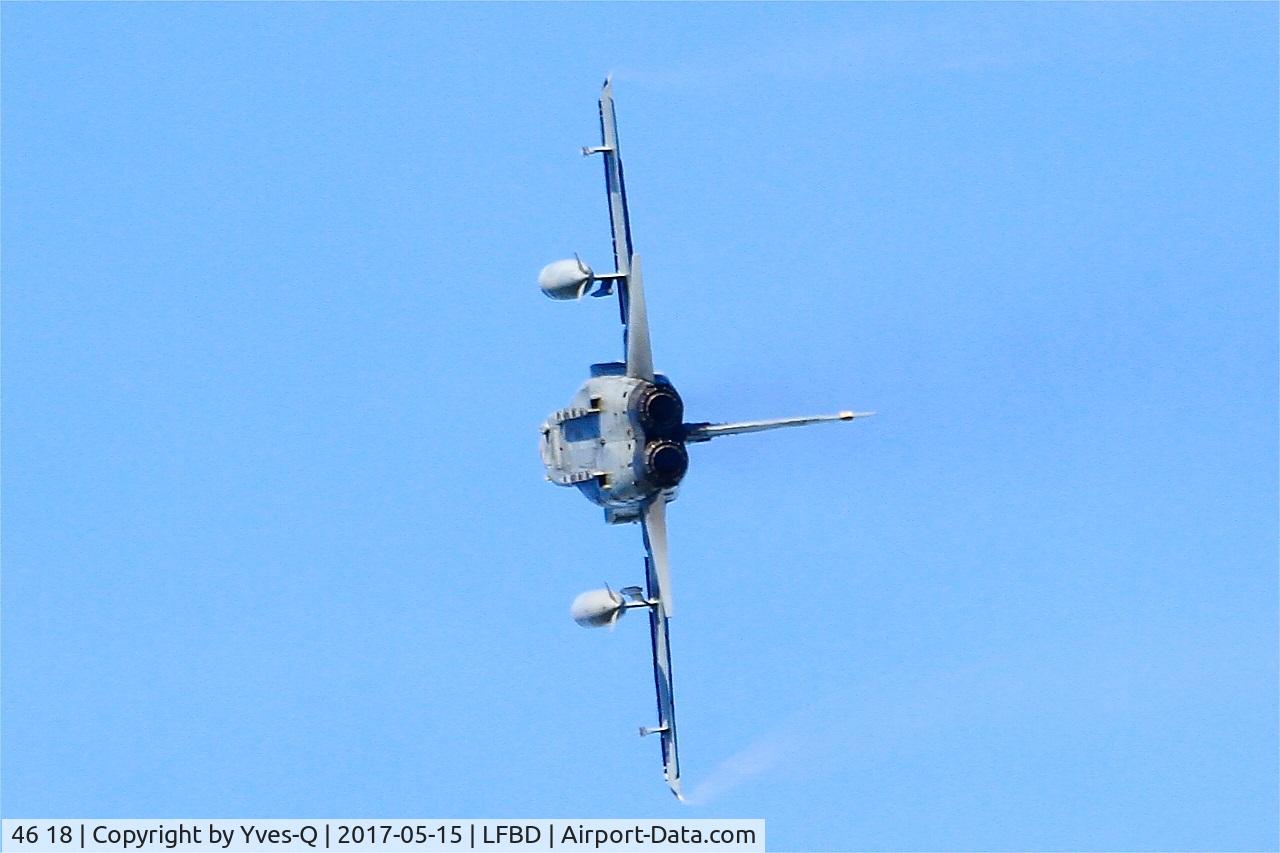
{"points": [[567, 279], [597, 608]]}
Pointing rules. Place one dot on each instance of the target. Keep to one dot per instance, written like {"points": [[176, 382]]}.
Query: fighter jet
{"points": [[621, 440]]}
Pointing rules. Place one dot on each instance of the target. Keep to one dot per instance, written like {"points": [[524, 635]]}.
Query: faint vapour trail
{"points": [[762, 754], [1102, 679]]}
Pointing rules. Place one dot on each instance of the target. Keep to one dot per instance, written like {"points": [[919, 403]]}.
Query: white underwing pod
{"points": [[597, 608], [567, 279]]}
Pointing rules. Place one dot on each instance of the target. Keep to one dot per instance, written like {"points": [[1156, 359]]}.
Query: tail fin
{"points": [[706, 432]]}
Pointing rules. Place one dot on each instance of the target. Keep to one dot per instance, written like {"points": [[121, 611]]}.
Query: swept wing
{"points": [[630, 288], [659, 594]]}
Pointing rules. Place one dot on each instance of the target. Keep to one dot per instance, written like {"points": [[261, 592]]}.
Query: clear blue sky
{"points": [[276, 538]]}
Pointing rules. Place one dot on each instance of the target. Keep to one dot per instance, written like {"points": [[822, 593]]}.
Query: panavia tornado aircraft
{"points": [[621, 440]]}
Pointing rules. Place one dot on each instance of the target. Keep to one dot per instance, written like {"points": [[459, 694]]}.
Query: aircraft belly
{"points": [[596, 444]]}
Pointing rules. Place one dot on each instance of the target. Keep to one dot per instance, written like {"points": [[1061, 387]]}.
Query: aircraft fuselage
{"points": [[620, 441]]}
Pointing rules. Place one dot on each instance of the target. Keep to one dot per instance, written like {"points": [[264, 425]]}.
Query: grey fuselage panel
{"points": [[598, 443]]}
